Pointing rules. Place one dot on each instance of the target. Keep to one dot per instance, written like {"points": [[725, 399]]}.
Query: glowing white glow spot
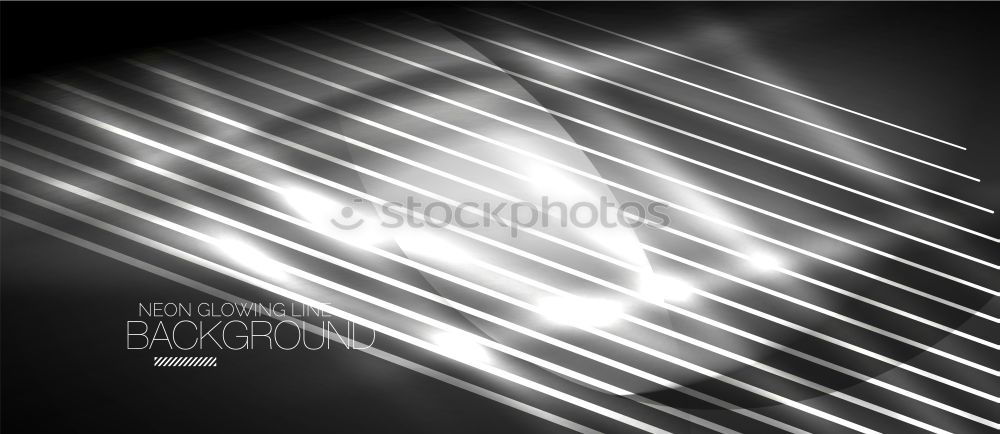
{"points": [[555, 183], [311, 206], [346, 222], [427, 243], [618, 243], [250, 257], [765, 262], [658, 288], [460, 347], [580, 311]]}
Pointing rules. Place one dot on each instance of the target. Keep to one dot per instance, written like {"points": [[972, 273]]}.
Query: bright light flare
{"points": [[251, 257], [764, 262], [580, 311], [659, 288], [460, 347], [311, 206], [554, 183], [431, 245]]}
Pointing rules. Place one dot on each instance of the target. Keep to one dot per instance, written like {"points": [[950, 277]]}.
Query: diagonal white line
{"points": [[459, 79], [685, 209], [504, 272], [376, 200], [459, 306], [716, 92], [708, 115], [211, 290], [720, 68]]}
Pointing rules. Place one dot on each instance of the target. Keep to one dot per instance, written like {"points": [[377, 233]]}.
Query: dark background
{"points": [[66, 367], [43, 35]]}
